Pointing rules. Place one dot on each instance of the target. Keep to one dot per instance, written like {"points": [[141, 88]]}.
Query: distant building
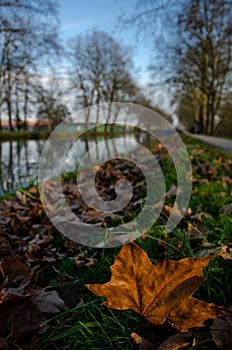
{"points": [[66, 126], [32, 125]]}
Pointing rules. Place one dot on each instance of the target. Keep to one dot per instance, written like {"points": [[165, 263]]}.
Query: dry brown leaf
{"points": [[177, 341], [14, 268], [226, 252], [167, 210], [19, 314], [159, 293], [48, 302], [221, 331], [83, 259], [21, 196], [33, 190], [226, 209], [212, 250], [5, 248], [11, 294], [194, 233], [173, 191], [143, 343], [3, 344]]}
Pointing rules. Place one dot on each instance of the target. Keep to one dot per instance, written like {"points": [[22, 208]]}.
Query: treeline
{"points": [[28, 38], [192, 38], [192, 41], [204, 70], [98, 68]]}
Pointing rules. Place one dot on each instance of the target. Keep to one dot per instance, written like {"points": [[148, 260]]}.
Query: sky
{"points": [[79, 16]]}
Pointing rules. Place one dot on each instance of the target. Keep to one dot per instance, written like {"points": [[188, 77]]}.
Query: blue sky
{"points": [[79, 16]]}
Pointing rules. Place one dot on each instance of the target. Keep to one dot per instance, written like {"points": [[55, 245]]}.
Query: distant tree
{"points": [[48, 99], [52, 112], [186, 111], [142, 100], [100, 70], [224, 122], [28, 35], [205, 56], [193, 51]]}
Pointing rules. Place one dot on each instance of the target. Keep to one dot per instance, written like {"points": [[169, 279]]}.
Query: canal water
{"points": [[19, 160]]}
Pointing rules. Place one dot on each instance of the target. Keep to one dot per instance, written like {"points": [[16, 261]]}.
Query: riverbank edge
{"points": [[43, 135]]}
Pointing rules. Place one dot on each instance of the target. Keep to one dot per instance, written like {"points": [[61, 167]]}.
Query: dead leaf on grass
{"points": [[21, 197], [174, 191], [210, 250], [13, 269], [194, 233], [178, 341], [48, 302], [3, 344], [143, 343], [226, 209], [159, 293], [83, 259], [20, 313], [5, 248], [221, 331]]}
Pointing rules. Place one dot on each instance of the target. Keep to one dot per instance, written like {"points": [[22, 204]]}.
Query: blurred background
{"points": [[58, 57]]}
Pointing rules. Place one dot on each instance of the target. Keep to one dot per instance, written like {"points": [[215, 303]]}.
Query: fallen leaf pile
{"points": [[107, 176], [159, 293], [25, 229], [26, 250], [162, 294]]}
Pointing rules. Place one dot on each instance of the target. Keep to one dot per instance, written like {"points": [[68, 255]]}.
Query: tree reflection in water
{"points": [[19, 159]]}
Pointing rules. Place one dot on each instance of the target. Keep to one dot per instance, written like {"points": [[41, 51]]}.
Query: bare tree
{"points": [[224, 124], [193, 56], [100, 70], [48, 99], [205, 56], [28, 33], [51, 111]]}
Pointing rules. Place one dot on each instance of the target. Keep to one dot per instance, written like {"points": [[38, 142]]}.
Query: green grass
{"points": [[11, 195], [87, 324], [93, 326]]}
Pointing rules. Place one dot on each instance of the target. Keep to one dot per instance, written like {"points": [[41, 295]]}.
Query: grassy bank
{"points": [[97, 327], [65, 267], [43, 135], [23, 135]]}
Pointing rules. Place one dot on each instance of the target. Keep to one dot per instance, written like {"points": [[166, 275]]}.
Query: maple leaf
{"points": [[159, 293]]}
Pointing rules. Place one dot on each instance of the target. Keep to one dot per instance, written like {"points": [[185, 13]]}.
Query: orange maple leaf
{"points": [[159, 293]]}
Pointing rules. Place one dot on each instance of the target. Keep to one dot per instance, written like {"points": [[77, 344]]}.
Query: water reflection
{"points": [[19, 159], [18, 163]]}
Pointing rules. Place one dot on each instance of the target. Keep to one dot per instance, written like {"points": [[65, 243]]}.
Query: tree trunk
{"points": [[9, 110], [212, 112], [18, 124], [25, 108], [200, 117]]}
